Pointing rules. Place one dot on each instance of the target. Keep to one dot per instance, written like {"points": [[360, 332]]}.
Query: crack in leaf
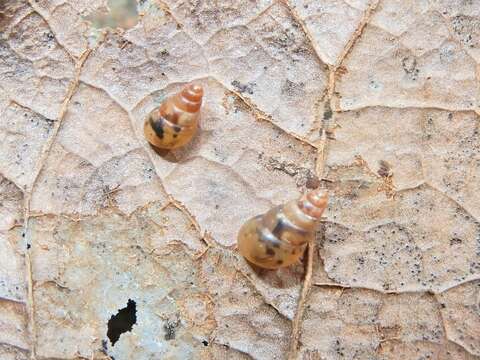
{"points": [[28, 193]]}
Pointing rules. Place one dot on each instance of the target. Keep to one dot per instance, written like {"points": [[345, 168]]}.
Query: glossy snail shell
{"points": [[175, 121], [279, 237]]}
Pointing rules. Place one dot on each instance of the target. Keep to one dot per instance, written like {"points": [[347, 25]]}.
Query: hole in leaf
{"points": [[122, 322]]}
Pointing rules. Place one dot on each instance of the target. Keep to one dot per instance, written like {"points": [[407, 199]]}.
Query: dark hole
{"points": [[205, 342], [122, 322]]}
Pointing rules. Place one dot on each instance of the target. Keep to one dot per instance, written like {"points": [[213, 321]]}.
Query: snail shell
{"points": [[279, 237], [175, 121]]}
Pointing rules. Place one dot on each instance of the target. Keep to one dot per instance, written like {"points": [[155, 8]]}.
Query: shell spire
{"points": [[279, 237], [188, 100], [314, 203]]}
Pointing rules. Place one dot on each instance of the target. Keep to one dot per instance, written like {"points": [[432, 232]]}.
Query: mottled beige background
{"points": [[379, 99]]}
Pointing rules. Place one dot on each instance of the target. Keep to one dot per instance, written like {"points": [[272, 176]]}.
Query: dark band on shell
{"points": [[174, 123], [279, 237]]}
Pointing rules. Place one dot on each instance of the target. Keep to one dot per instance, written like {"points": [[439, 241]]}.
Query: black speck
{"points": [[241, 88], [409, 65], [327, 114], [104, 347], [455, 241], [170, 329]]}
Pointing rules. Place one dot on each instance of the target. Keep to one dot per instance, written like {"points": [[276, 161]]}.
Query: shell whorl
{"points": [[190, 98], [305, 212], [175, 122], [185, 104], [295, 220], [314, 203], [279, 237]]}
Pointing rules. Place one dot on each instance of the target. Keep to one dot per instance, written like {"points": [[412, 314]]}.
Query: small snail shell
{"points": [[175, 121], [279, 237]]}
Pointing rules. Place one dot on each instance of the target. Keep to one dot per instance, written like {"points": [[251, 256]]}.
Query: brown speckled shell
{"points": [[279, 237], [175, 121]]}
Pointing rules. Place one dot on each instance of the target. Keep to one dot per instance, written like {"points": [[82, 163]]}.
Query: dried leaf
{"points": [[110, 249]]}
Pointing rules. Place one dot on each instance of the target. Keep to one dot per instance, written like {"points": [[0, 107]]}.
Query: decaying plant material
{"points": [[108, 250]]}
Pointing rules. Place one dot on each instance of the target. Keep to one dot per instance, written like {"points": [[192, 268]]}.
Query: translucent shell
{"points": [[279, 237], [175, 121]]}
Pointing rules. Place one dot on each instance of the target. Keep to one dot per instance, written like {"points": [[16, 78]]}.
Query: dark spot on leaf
{"points": [[170, 329], [455, 241]]}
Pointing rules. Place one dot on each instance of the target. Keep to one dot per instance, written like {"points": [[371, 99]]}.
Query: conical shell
{"points": [[279, 237], [175, 122]]}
